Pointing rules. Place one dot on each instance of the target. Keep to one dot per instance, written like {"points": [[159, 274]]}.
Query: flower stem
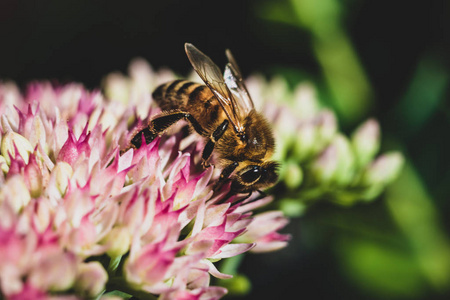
{"points": [[118, 284]]}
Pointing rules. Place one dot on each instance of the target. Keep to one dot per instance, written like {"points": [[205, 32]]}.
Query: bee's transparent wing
{"points": [[235, 82], [210, 73]]}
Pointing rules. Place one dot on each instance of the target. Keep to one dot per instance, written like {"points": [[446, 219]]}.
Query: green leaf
{"points": [[380, 268], [118, 294]]}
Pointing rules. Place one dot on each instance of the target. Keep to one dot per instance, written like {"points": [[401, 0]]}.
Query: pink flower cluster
{"points": [[69, 199]]}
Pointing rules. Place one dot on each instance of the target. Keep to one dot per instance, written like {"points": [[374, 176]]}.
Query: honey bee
{"points": [[222, 112]]}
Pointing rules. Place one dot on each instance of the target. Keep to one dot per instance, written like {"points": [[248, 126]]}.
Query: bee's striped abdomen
{"points": [[194, 98], [174, 94]]}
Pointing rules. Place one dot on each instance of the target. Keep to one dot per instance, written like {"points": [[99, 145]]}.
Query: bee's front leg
{"points": [[226, 172], [217, 134], [148, 134]]}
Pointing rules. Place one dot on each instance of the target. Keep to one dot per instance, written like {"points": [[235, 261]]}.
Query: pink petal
{"points": [[213, 270], [29, 292], [262, 247], [231, 250]]}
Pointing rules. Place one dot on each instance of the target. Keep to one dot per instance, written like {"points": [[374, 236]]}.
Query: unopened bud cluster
{"points": [[318, 161]]}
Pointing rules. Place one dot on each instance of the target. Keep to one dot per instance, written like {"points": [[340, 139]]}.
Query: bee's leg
{"points": [[149, 136], [161, 123], [217, 134], [226, 172]]}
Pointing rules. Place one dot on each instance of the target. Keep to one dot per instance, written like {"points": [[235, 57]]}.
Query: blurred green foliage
{"points": [[348, 86], [416, 216]]}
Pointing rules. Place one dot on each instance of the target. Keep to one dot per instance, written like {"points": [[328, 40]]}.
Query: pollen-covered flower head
{"points": [[75, 211]]}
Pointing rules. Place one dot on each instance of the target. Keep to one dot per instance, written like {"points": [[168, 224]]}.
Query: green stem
{"points": [[231, 265], [350, 89], [118, 284]]}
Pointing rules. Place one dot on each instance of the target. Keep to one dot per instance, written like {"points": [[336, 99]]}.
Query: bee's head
{"points": [[256, 176]]}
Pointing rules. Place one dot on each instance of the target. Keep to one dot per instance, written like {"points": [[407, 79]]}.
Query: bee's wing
{"points": [[210, 73], [235, 82]]}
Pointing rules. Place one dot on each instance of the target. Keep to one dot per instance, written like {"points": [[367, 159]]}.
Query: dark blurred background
{"points": [[383, 59]]}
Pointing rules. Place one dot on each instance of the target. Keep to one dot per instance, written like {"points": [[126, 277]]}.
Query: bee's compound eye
{"points": [[251, 174]]}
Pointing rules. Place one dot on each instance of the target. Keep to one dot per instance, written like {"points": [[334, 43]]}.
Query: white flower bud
{"points": [[384, 169], [305, 141], [117, 87], [346, 161], [118, 240], [108, 119], [12, 140], [62, 173], [33, 178], [326, 129], [15, 191], [279, 90], [91, 279], [10, 94], [366, 141], [293, 175], [335, 163], [37, 134], [305, 104], [3, 164], [54, 270], [324, 167], [142, 74]]}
